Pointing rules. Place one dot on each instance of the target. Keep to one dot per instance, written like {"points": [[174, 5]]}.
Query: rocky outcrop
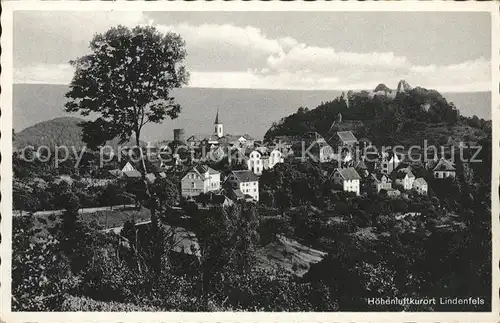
{"points": [[403, 87], [382, 88]]}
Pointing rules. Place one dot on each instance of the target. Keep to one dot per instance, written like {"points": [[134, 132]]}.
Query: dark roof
{"points": [[238, 194], [245, 175], [212, 171], [346, 136], [378, 177], [115, 172], [217, 117], [348, 173], [201, 169]]}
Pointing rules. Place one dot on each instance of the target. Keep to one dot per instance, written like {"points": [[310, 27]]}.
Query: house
{"points": [[312, 145], [275, 157], [444, 169], [254, 162], [128, 167], [420, 185], [193, 142], [405, 178], [282, 142], [381, 182], [200, 179], [244, 181], [346, 138], [348, 178]]}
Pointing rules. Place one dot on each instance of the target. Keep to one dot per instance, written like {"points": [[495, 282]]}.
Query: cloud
{"points": [[232, 56], [44, 74]]}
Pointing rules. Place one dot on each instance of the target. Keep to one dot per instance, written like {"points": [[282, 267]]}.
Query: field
{"points": [[100, 219]]}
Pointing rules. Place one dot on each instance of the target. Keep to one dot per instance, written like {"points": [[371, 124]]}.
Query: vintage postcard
{"points": [[249, 161]]}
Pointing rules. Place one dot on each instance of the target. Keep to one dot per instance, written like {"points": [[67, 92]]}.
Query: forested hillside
{"points": [[407, 117]]}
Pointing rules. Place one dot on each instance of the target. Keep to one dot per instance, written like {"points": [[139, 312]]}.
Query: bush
{"points": [[84, 304]]}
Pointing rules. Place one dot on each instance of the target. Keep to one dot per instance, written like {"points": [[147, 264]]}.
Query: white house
{"points": [[405, 178], [444, 169], [200, 179], [348, 178], [128, 167], [255, 163], [326, 153], [244, 182], [381, 182], [275, 157], [420, 185]]}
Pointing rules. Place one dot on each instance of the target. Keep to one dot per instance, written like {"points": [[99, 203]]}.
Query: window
{"points": [[193, 185], [255, 190]]}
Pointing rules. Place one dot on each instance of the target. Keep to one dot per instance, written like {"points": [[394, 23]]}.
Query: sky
{"points": [[446, 51]]}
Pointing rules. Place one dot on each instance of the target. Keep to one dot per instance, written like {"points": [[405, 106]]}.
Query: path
{"points": [[80, 211]]}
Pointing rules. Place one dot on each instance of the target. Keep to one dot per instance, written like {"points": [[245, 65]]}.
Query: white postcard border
{"points": [[6, 162]]}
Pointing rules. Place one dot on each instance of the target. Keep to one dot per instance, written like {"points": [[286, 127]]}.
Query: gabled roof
{"points": [[115, 172], [360, 164], [378, 177], [245, 175], [193, 138], [402, 172], [346, 136], [348, 173], [212, 138], [311, 135], [212, 171], [238, 193], [444, 165], [201, 169]]}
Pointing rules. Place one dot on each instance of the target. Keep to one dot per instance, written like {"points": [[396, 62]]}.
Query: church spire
{"points": [[217, 117]]}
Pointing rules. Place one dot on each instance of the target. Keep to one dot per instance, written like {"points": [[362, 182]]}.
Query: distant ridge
{"points": [[61, 131], [243, 111]]}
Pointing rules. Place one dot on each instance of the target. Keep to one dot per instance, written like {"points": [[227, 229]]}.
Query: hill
{"points": [[63, 131], [407, 118]]}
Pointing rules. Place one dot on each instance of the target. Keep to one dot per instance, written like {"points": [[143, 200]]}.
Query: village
{"points": [[361, 169]]}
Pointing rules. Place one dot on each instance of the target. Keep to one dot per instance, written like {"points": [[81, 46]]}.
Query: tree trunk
{"points": [[152, 206]]}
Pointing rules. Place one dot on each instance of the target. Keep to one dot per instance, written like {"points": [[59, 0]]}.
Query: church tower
{"points": [[219, 128]]}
